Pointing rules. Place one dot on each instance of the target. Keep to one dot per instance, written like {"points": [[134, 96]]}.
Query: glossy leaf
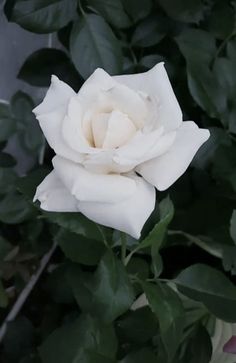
{"points": [[84, 340], [208, 285], [93, 45], [107, 293], [43, 16]]}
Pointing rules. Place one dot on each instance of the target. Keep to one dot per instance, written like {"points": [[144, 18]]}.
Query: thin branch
{"points": [[26, 291]]}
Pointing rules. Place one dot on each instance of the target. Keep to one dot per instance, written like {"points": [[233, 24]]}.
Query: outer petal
{"points": [[156, 84], [54, 197], [166, 169], [50, 114], [129, 215], [91, 187]]}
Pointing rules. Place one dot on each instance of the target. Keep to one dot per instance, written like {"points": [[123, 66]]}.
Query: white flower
{"points": [[102, 135]]}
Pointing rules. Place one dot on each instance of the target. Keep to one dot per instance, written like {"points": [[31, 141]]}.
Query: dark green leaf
{"points": [[6, 160], [151, 60], [26, 123], [184, 10], [108, 293], [14, 209], [7, 125], [43, 16], [112, 11], [206, 154], [80, 249], [93, 45], [3, 296], [140, 356], [58, 287], [148, 32], [5, 248], [208, 285], [197, 46], [18, 340], [157, 234], [40, 65], [139, 326], [167, 306], [137, 9], [221, 19], [77, 223], [198, 347], [7, 180], [206, 90], [84, 341]]}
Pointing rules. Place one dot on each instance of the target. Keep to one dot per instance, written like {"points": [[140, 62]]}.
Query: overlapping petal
{"points": [[156, 84], [129, 215], [50, 114], [163, 171], [91, 187], [53, 195]]}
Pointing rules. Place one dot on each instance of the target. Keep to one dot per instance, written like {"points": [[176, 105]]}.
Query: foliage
{"points": [[81, 308]]}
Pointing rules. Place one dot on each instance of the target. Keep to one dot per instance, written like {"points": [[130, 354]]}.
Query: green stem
{"points": [[81, 8], [123, 247]]}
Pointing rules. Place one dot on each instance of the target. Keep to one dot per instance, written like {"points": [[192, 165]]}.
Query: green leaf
{"points": [[107, 293], [148, 32], [7, 125], [40, 65], [206, 90], [14, 209], [140, 356], [28, 184], [43, 16], [221, 19], [208, 285], [167, 306], [206, 153], [138, 326], [198, 346], [112, 11], [58, 287], [5, 248], [3, 296], [6, 160], [137, 9], [80, 249], [157, 234], [93, 45], [188, 11], [85, 340], [77, 223], [197, 46], [27, 125], [149, 61], [7, 180], [224, 70], [18, 340], [233, 226]]}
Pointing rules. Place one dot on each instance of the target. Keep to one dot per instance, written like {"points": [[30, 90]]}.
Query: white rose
{"points": [[112, 129]]}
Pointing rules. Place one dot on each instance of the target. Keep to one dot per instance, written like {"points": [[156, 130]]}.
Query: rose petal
{"points": [[129, 215], [156, 84], [58, 94], [223, 332], [91, 187], [54, 197], [50, 114], [166, 169], [119, 131]]}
